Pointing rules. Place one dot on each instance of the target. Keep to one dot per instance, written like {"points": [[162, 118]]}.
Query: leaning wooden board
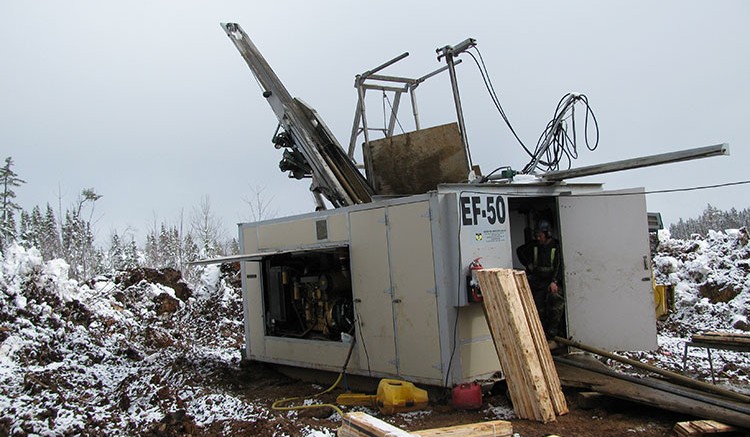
{"points": [[519, 340]]}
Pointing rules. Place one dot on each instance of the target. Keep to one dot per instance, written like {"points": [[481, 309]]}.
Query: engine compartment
{"points": [[308, 294]]}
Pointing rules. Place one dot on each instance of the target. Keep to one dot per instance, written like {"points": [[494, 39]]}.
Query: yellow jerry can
{"points": [[396, 396]]}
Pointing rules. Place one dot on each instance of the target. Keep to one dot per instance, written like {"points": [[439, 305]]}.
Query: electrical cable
{"points": [[670, 190], [493, 96], [277, 404], [391, 106], [362, 338], [458, 305], [555, 144]]}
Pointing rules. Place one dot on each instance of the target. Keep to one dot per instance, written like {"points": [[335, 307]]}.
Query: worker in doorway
{"points": [[542, 259]]}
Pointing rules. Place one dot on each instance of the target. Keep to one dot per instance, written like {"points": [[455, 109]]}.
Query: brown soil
{"points": [[263, 385]]}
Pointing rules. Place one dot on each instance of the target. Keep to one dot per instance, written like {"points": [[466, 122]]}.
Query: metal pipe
{"points": [[459, 109], [684, 380], [391, 78], [382, 66], [438, 71], [414, 110], [645, 161], [394, 111]]}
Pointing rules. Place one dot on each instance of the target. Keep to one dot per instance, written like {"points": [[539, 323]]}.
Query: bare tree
{"points": [[207, 228], [260, 204]]}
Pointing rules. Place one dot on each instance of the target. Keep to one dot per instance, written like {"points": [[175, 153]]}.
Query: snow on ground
{"points": [[712, 290], [139, 354]]}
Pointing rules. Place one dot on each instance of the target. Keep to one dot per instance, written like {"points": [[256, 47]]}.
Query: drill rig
{"points": [[387, 266]]}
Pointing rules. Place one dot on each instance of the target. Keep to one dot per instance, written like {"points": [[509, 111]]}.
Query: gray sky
{"points": [[152, 105]]}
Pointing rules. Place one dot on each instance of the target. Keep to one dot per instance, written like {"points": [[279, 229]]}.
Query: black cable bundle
{"points": [[559, 141]]}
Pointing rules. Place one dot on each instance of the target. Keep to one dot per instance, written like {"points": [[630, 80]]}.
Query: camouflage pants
{"points": [[551, 308]]}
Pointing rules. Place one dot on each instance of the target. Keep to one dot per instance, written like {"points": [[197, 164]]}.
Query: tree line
{"points": [[712, 219], [69, 235]]}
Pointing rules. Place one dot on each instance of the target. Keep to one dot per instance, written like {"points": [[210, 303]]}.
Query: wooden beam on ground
{"points": [[723, 338], [358, 424], [676, 377], [493, 428], [590, 374], [698, 428]]}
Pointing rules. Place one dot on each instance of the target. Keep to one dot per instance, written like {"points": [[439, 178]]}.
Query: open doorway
{"points": [[537, 249]]}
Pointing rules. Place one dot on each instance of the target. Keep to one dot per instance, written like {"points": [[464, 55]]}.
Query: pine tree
{"points": [[24, 232], [9, 180], [151, 250], [131, 256], [49, 236], [78, 239], [116, 253]]}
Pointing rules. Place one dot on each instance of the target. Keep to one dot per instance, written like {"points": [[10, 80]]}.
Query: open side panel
{"points": [[609, 299]]}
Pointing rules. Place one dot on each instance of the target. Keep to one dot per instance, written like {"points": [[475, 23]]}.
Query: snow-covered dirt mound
{"points": [[711, 293], [124, 355]]}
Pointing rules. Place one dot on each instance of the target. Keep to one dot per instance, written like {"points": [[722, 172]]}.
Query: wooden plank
{"points": [[637, 392], [722, 339], [494, 428], [536, 383], [517, 379], [358, 424], [506, 314], [508, 360], [735, 335], [712, 426], [540, 342], [698, 428], [529, 350]]}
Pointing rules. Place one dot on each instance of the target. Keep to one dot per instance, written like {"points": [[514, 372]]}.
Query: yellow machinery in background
{"points": [[663, 300]]}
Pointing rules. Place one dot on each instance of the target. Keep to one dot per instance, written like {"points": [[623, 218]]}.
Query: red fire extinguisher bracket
{"points": [[472, 283]]}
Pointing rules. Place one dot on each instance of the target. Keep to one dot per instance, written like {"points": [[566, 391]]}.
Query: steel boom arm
{"points": [[334, 175]]}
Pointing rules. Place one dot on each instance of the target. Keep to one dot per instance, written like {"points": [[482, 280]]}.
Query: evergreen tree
{"points": [[8, 180], [78, 239], [151, 250], [131, 256], [711, 219], [116, 253], [49, 236], [24, 233]]}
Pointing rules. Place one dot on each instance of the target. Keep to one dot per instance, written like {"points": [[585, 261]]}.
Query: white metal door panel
{"points": [[371, 282], [415, 298], [609, 298]]}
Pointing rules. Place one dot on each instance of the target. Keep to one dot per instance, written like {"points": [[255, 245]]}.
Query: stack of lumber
{"points": [[723, 339], [521, 346], [360, 424], [698, 428]]}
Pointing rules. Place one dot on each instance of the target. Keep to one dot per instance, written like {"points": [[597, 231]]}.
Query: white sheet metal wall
{"points": [[609, 296], [409, 293]]}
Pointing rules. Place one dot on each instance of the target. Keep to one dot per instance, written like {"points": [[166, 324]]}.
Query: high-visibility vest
{"points": [[548, 268]]}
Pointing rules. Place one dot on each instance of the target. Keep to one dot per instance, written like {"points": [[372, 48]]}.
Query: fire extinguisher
{"points": [[472, 283]]}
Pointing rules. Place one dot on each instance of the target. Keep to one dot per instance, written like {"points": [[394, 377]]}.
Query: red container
{"points": [[467, 396]]}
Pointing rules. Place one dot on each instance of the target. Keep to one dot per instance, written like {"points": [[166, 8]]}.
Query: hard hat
{"points": [[543, 226]]}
